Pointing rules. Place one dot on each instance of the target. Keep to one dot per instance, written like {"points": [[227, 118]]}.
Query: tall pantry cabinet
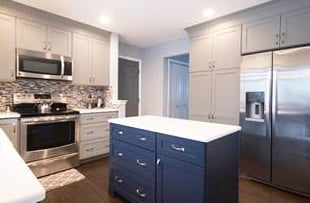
{"points": [[214, 76]]}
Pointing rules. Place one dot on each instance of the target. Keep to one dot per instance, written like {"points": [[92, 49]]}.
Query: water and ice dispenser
{"points": [[255, 105]]}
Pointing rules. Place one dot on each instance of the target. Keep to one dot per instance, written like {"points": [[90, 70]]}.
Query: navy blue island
{"points": [[166, 160]]}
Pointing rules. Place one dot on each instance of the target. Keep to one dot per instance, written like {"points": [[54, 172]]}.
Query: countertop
{"points": [[96, 110], [17, 183], [7, 115], [188, 129]]}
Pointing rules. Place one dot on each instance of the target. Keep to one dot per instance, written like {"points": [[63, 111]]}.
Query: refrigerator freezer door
{"points": [[291, 119], [255, 90]]}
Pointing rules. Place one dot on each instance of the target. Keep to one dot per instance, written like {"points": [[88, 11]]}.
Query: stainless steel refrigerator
{"points": [[275, 118]]}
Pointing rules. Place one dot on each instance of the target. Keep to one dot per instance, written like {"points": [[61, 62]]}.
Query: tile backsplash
{"points": [[76, 95]]}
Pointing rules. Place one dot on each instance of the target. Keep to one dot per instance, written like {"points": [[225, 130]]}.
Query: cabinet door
{"points": [[261, 34], [227, 48], [201, 53], [9, 126], [200, 96], [295, 28], [178, 181], [81, 59], [100, 62], [31, 35], [7, 50], [225, 96], [59, 41]]}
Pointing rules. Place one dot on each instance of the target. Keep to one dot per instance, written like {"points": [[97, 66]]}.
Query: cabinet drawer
{"points": [[141, 138], [141, 161], [94, 131], [133, 188], [183, 149], [94, 148], [97, 117]]}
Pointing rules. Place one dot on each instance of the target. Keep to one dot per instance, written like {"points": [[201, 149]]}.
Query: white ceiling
{"points": [[142, 23]]}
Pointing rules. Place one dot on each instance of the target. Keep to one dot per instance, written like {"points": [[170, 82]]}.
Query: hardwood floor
{"points": [[94, 189]]}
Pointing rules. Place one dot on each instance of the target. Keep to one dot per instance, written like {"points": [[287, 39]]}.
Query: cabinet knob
{"points": [[142, 139], [138, 191], [120, 132], [177, 148], [158, 162], [143, 164], [119, 153]]}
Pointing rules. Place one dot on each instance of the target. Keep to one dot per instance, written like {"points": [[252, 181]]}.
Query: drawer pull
{"points": [[177, 148], [117, 179], [90, 149], [143, 195], [90, 132], [120, 132], [119, 153], [143, 164], [142, 139]]}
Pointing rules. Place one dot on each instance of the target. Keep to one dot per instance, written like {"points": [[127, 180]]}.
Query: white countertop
{"points": [[17, 183], [6, 115], [188, 129], [96, 110]]}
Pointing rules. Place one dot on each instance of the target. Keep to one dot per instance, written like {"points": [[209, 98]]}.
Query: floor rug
{"points": [[60, 179]]}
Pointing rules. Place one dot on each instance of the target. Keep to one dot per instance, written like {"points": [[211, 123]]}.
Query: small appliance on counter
{"points": [[48, 133]]}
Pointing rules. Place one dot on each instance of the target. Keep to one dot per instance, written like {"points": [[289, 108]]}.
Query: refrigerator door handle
{"points": [[274, 101]]}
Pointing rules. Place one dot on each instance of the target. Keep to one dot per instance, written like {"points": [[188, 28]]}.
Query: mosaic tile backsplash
{"points": [[76, 95]]}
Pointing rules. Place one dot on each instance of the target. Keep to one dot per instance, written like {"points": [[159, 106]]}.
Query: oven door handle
{"points": [[39, 120]]}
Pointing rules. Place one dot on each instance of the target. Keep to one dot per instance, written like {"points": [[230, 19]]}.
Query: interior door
{"points": [[178, 89], [128, 85]]}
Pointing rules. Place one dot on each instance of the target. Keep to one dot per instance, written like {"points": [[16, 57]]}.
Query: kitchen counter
{"points": [[7, 115], [96, 110], [188, 129], [17, 183]]}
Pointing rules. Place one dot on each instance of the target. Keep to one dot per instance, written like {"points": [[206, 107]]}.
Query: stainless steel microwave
{"points": [[33, 64]]}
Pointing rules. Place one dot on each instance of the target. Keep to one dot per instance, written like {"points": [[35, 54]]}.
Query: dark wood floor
{"points": [[94, 189]]}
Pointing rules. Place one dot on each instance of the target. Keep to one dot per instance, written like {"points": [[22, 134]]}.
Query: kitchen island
{"points": [[17, 183], [164, 160]]}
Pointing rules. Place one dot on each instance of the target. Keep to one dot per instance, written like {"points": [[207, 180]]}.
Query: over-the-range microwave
{"points": [[33, 64]]}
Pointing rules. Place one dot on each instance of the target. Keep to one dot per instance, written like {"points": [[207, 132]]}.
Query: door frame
{"points": [[168, 80], [140, 77]]}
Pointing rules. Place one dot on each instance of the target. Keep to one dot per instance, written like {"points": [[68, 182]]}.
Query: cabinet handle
{"points": [[213, 117], [120, 132], [213, 65], [14, 127], [118, 179], [49, 46], [209, 116], [282, 38], [141, 163], [90, 149], [142, 139], [12, 72], [44, 44], [90, 132], [173, 146], [143, 195], [119, 153], [158, 162], [90, 119], [210, 66]]}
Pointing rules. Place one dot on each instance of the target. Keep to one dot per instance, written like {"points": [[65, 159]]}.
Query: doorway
{"points": [[177, 86], [129, 84]]}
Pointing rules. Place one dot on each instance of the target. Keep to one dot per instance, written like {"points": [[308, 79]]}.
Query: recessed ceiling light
{"points": [[208, 13], [104, 20]]}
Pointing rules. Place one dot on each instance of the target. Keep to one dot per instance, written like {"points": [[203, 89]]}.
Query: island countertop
{"points": [[188, 129], [17, 183]]}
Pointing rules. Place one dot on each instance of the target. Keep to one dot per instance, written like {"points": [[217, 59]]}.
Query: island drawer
{"points": [[133, 188], [141, 161], [141, 138], [183, 149]]}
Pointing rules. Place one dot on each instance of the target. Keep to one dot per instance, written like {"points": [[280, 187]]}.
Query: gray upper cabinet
{"points": [[41, 37], [216, 50], [7, 50], [91, 60], [280, 31], [262, 34], [295, 28]]}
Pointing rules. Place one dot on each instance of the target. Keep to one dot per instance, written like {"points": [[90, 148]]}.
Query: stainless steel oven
{"points": [[49, 143]]}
